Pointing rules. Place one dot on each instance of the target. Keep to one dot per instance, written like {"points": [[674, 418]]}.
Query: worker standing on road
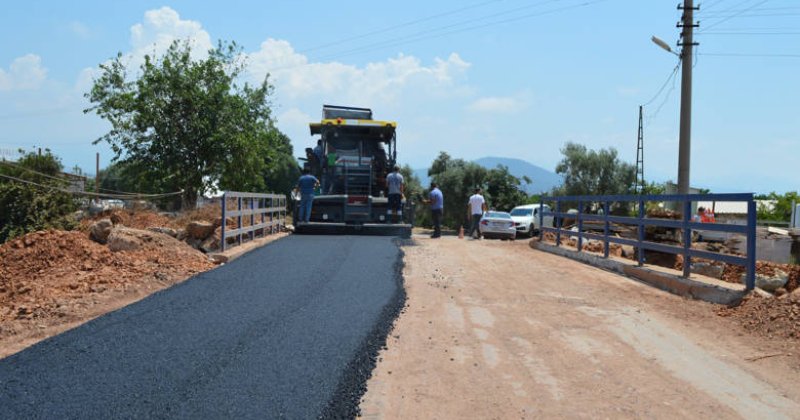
{"points": [[306, 184], [475, 208], [436, 201], [395, 185]]}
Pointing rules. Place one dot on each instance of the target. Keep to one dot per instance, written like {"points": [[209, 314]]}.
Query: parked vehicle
{"points": [[526, 218], [497, 224]]}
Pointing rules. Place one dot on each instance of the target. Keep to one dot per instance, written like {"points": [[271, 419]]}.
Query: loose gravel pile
{"points": [[770, 317]]}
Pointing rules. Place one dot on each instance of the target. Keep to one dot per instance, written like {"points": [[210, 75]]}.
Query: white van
{"points": [[526, 218]]}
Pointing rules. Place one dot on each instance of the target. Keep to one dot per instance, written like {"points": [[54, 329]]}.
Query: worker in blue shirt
{"points": [[436, 201], [318, 153], [306, 185]]}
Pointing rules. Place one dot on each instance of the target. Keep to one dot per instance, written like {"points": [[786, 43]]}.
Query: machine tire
{"points": [[531, 231]]}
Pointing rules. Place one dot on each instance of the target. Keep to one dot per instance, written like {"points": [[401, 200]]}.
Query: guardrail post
{"points": [[750, 280], [252, 217], [687, 237], [580, 225], [639, 248], [263, 203], [224, 219], [239, 209], [605, 229], [560, 221]]}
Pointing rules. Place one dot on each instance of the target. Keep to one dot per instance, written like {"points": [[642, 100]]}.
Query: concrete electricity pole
{"points": [[685, 140]]}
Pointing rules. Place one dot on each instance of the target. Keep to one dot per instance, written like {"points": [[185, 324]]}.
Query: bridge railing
{"points": [[254, 213], [685, 225]]}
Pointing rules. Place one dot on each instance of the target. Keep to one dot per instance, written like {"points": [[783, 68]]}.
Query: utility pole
{"points": [[638, 187], [685, 140]]}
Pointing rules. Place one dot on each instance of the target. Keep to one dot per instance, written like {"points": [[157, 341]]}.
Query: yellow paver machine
{"points": [[355, 156]]}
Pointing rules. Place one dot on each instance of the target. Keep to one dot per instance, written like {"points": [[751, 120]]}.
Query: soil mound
{"points": [[41, 271]]}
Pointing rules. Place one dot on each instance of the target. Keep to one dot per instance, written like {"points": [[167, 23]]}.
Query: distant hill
{"points": [[543, 180]]}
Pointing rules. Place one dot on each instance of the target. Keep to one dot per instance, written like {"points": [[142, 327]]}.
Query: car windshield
{"points": [[521, 212], [498, 215]]}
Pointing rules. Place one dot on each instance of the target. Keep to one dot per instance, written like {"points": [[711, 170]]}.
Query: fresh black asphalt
{"points": [[289, 330]]}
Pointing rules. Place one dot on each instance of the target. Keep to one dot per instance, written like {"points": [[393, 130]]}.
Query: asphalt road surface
{"points": [[289, 330]]}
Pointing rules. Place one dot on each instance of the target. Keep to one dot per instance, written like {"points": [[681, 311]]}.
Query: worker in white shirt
{"points": [[475, 209]]}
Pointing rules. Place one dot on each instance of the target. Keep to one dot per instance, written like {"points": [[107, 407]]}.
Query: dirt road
{"points": [[497, 330]]}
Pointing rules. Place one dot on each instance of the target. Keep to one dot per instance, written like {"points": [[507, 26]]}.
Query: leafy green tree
{"points": [[414, 192], [187, 124], [504, 189], [458, 179], [589, 172], [26, 207], [781, 211], [281, 168]]}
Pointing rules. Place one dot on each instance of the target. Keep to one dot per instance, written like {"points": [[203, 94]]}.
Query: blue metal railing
{"points": [[259, 207], [686, 225]]}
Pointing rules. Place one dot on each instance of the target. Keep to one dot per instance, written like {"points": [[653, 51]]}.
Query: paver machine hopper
{"points": [[358, 153]]}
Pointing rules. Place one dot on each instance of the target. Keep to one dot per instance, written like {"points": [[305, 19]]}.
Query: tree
{"points": [[187, 124], [782, 209], [26, 207], [589, 172], [458, 179], [281, 168], [414, 193], [504, 189]]}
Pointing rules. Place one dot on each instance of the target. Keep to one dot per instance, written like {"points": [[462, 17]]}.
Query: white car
{"points": [[497, 224], [526, 218]]}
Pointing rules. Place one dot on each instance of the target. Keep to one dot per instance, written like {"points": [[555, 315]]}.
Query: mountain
{"points": [[543, 180]]}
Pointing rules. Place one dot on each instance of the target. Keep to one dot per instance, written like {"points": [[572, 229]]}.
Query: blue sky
{"points": [[514, 78]]}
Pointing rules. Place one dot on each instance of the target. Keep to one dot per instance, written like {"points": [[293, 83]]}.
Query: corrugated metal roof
{"points": [[734, 207]]}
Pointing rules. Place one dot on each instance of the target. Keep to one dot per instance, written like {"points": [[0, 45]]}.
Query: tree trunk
{"points": [[189, 198]]}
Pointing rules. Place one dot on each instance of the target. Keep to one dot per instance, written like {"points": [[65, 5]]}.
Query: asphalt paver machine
{"points": [[358, 153]]}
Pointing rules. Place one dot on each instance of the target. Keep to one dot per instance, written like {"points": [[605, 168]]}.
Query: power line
{"points": [[751, 33], [733, 16], [411, 23], [91, 194], [760, 9], [18, 166], [751, 55], [750, 15], [398, 26], [650, 118], [424, 35], [711, 4], [663, 86], [65, 181]]}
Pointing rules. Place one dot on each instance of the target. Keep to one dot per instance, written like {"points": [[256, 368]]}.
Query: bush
{"points": [[27, 208]]}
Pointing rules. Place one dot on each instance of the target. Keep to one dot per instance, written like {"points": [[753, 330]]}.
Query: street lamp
{"points": [[684, 141], [658, 41]]}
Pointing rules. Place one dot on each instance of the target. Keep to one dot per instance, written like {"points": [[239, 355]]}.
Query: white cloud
{"points": [[86, 79], [297, 78], [295, 117], [79, 29], [24, 73], [163, 26], [496, 104]]}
